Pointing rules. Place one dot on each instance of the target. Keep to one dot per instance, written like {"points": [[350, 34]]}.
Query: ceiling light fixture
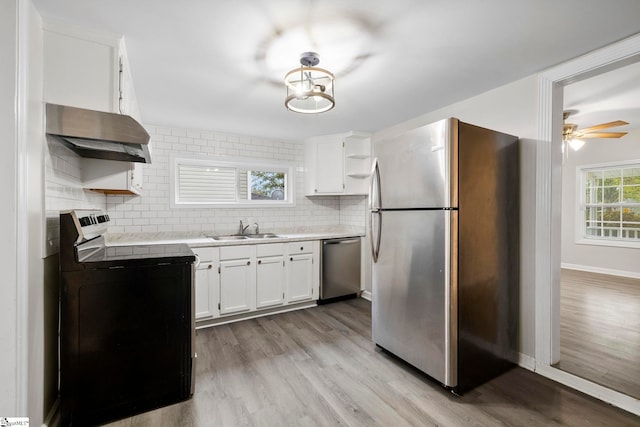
{"points": [[309, 88], [575, 144]]}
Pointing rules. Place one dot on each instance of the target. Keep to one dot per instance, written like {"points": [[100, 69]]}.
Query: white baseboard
{"points": [[527, 362], [366, 295], [208, 323], [607, 395], [600, 270]]}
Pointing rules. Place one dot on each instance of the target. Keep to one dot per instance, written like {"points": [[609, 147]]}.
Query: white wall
{"points": [[8, 188], [21, 213], [32, 112], [512, 109], [151, 212], [614, 260]]}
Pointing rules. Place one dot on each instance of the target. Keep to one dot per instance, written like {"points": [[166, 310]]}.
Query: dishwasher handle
{"points": [[347, 241]]}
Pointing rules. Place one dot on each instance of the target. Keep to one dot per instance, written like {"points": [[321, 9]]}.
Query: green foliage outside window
{"points": [[267, 185], [612, 202]]}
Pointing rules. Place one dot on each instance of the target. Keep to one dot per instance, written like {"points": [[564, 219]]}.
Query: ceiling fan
{"points": [[574, 136]]}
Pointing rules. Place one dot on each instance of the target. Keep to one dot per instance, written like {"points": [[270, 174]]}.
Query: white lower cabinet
{"points": [[300, 271], [232, 280], [206, 283], [237, 279], [269, 275], [299, 278]]}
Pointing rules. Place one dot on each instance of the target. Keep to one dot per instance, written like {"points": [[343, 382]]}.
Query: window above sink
{"points": [[228, 182]]}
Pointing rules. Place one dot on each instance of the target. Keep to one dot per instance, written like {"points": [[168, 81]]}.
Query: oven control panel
{"points": [[90, 223]]}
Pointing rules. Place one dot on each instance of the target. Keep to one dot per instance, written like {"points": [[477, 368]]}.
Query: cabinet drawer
{"points": [[236, 252], [204, 254], [299, 248], [271, 249]]}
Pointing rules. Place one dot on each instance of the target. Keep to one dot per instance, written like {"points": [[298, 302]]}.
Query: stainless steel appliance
{"points": [[98, 134], [444, 227], [127, 324], [340, 274]]}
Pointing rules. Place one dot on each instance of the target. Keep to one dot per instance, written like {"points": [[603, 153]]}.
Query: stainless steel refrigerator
{"points": [[444, 225]]}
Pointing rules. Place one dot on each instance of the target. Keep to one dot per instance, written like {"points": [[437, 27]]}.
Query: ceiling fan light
{"points": [[309, 88], [576, 144]]}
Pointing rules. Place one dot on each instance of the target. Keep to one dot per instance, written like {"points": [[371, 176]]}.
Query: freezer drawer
{"points": [[340, 275]]}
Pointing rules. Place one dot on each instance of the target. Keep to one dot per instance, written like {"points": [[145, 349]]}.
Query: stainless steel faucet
{"points": [[242, 228]]}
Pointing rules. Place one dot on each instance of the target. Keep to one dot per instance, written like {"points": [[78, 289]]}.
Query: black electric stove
{"points": [[126, 323]]}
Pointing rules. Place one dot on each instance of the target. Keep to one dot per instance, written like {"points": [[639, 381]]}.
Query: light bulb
{"points": [[576, 144]]}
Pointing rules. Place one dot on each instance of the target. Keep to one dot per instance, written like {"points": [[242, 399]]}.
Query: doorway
{"points": [[548, 210], [600, 275]]}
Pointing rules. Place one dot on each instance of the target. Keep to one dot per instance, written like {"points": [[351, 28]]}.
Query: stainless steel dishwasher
{"points": [[340, 275]]}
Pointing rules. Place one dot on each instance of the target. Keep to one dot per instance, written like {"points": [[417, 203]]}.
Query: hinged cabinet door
{"points": [[237, 281], [205, 291], [330, 169], [269, 281], [299, 277]]}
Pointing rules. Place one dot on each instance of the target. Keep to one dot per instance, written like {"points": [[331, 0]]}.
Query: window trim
{"points": [[580, 208], [234, 162]]}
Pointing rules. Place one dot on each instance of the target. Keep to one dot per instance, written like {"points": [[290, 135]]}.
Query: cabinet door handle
{"points": [[248, 262], [302, 248], [210, 266], [291, 259], [259, 261]]}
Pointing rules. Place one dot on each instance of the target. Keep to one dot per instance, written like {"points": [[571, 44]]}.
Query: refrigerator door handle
{"points": [[375, 244], [375, 204], [374, 187]]}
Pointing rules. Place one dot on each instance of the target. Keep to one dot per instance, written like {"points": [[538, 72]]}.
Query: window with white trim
{"points": [[610, 204], [230, 182]]}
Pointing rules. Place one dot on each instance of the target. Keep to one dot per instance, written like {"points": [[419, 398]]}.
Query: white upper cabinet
{"points": [[87, 69], [338, 164], [324, 166], [127, 102]]}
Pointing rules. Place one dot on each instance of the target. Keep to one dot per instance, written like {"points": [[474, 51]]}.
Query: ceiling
{"points": [[611, 96], [219, 64]]}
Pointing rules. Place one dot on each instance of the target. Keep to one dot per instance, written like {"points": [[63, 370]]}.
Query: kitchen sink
{"points": [[228, 237], [243, 236], [262, 236]]}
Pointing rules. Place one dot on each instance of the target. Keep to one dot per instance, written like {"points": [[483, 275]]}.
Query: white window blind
{"points": [[206, 183]]}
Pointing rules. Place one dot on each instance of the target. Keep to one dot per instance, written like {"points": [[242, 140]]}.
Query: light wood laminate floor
{"points": [[600, 329], [318, 367]]}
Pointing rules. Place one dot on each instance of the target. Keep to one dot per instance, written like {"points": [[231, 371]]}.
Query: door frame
{"points": [[548, 210]]}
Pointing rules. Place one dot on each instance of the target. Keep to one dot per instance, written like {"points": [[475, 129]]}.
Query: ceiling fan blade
{"points": [[603, 126], [601, 135]]}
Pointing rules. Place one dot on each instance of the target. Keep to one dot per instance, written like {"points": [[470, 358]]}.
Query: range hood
{"points": [[97, 134]]}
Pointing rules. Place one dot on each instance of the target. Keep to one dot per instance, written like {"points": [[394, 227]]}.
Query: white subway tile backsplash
{"points": [[63, 190], [151, 212]]}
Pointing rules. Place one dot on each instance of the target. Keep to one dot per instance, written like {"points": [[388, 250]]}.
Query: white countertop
{"points": [[200, 239]]}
